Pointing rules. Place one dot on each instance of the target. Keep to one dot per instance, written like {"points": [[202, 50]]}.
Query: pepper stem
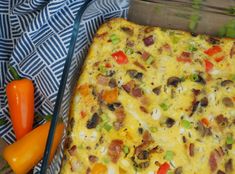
{"points": [[14, 73], [4, 168]]}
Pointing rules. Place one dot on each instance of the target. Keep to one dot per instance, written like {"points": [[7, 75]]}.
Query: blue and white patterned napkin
{"points": [[35, 38]]}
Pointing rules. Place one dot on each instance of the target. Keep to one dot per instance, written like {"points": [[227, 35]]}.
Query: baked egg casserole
{"points": [[153, 101]]}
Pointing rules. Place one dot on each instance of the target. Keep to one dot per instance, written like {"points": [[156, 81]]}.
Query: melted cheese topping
{"points": [[148, 96]]}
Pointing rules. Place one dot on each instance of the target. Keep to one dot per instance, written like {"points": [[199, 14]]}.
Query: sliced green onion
{"points": [[107, 127], [103, 69], [164, 106], [150, 60], [229, 140], [186, 124], [126, 149], [169, 155], [105, 160], [194, 77], [129, 51], [114, 39], [192, 48], [104, 117], [153, 129]]}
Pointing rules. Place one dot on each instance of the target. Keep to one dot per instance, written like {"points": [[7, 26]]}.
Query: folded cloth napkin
{"points": [[35, 38]]}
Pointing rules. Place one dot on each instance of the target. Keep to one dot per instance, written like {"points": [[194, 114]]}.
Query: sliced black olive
{"points": [[134, 74], [204, 102], [227, 102], [93, 122], [194, 34], [144, 165], [143, 155], [200, 80], [170, 122], [196, 91], [139, 76], [184, 139], [229, 166], [157, 90], [112, 83], [113, 106], [173, 81], [178, 170], [148, 40], [226, 82]]}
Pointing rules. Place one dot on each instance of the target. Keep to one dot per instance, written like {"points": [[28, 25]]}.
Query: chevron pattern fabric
{"points": [[35, 38]]}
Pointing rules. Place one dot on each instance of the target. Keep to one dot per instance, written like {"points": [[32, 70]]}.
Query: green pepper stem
{"points": [[4, 168], [14, 73]]}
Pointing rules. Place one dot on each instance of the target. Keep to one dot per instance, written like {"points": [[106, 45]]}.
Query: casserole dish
{"points": [[73, 65]]}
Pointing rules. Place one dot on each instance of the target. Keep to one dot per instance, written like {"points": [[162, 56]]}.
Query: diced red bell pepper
{"points": [[120, 57], [108, 65], [208, 65], [163, 168], [219, 59], [213, 50]]}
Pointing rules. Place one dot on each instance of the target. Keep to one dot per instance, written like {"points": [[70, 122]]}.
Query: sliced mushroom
{"points": [[227, 102], [204, 102], [229, 166], [157, 90], [232, 52], [127, 30], [143, 155], [221, 120], [144, 165], [170, 122], [93, 158], [226, 82], [173, 81], [178, 170], [112, 83], [220, 172], [93, 122]]}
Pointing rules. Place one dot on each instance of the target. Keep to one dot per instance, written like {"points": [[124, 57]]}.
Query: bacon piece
{"points": [[128, 86], [191, 149], [115, 149], [213, 161], [136, 63], [145, 55], [120, 114], [102, 80], [136, 92], [72, 150]]}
